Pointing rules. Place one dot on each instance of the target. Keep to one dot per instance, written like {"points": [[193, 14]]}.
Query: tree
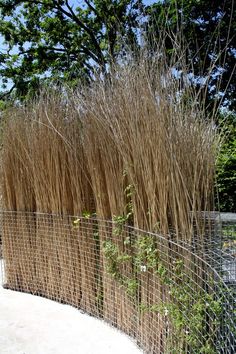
{"points": [[209, 30], [56, 38], [226, 167]]}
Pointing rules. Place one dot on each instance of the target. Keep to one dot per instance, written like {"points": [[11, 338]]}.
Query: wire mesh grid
{"points": [[169, 296]]}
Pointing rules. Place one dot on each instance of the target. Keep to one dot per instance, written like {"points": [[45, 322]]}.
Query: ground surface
{"points": [[34, 325]]}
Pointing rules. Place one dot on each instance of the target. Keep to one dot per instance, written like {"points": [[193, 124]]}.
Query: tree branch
{"points": [[99, 57], [82, 49], [73, 16], [5, 94], [91, 7], [88, 52]]}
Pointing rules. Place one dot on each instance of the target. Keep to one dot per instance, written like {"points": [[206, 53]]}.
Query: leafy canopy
{"points": [[226, 167], [59, 39], [209, 30]]}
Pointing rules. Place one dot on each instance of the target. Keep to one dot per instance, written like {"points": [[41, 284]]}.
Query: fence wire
{"points": [[169, 296]]}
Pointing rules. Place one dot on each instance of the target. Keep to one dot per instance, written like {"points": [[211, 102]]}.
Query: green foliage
{"points": [[4, 104], [207, 29], [229, 232], [146, 256], [226, 168], [119, 222], [87, 214], [131, 286], [111, 253], [114, 263], [191, 314], [62, 40]]}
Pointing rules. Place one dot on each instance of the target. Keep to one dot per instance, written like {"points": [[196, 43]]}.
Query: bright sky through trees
{"points": [[15, 51]]}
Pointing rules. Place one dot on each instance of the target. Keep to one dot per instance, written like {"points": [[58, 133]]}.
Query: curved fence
{"points": [[169, 296]]}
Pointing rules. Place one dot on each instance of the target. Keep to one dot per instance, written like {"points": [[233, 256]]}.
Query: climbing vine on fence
{"points": [[191, 313]]}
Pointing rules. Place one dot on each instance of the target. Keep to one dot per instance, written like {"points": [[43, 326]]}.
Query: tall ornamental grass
{"points": [[134, 147]]}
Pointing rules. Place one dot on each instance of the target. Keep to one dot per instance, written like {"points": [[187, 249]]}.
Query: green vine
{"points": [[191, 313], [113, 267]]}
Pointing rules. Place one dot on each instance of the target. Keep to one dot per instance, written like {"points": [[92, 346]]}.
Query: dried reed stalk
{"points": [[130, 147]]}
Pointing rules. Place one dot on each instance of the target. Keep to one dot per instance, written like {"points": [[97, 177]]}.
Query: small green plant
{"points": [[111, 253], [229, 232], [191, 313], [114, 263], [131, 286], [119, 222], [146, 254], [87, 214]]}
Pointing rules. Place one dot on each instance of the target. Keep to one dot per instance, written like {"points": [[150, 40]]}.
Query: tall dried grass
{"points": [[137, 143], [134, 147]]}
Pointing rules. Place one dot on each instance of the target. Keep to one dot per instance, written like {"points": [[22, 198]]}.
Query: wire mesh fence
{"points": [[171, 297]]}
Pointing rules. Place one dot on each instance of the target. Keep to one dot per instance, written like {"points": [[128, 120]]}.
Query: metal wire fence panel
{"points": [[169, 296]]}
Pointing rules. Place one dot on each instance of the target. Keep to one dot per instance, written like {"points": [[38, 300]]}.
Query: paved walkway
{"points": [[34, 325]]}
